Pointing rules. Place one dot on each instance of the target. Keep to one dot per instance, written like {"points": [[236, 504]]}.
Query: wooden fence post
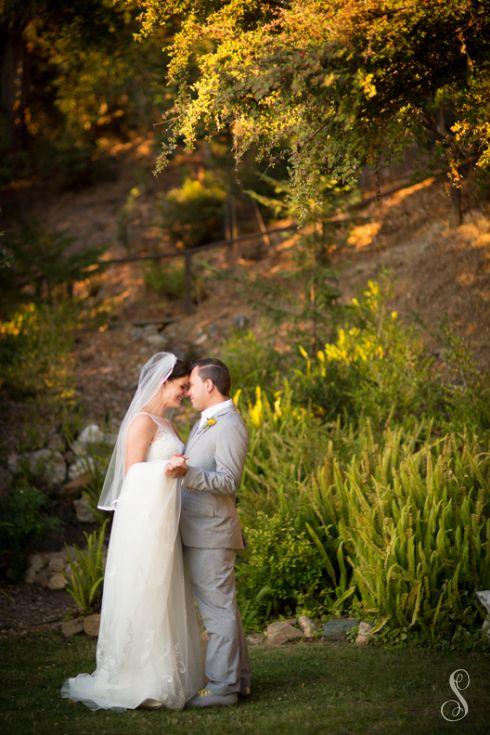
{"points": [[188, 303]]}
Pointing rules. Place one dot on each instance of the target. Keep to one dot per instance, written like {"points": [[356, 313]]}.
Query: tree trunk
{"points": [[13, 90]]}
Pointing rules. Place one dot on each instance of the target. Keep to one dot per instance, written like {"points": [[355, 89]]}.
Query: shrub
{"points": [[192, 214], [251, 362], [24, 522], [35, 348], [169, 280], [375, 367], [86, 576], [281, 573]]}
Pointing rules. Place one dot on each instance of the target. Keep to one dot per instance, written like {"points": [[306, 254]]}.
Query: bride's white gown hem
{"points": [[149, 645]]}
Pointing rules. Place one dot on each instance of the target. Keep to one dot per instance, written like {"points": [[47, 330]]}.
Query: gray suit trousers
{"points": [[212, 575]]}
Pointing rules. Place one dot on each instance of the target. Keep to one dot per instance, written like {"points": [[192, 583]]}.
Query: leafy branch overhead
{"points": [[328, 86]]}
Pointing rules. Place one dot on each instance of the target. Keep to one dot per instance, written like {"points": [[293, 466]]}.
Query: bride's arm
{"points": [[140, 435]]}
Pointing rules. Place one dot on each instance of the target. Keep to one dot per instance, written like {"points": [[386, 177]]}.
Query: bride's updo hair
{"points": [[181, 369]]}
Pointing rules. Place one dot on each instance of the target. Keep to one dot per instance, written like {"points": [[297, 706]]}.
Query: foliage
{"points": [[73, 82], [412, 519], [281, 573], [169, 280], [251, 361], [374, 367], [36, 262], [24, 523], [34, 350], [192, 214], [86, 576], [327, 86]]}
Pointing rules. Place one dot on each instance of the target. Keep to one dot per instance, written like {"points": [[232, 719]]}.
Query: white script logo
{"points": [[456, 710]]}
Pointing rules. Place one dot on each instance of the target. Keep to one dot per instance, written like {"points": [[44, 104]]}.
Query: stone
{"points": [[156, 340], [308, 626], [42, 577], [255, 639], [364, 634], [81, 468], [483, 597], [36, 562], [91, 434], [336, 630], [213, 331], [83, 510], [30, 576], [240, 321], [91, 625], [281, 632], [72, 627], [57, 581], [13, 462], [50, 464], [57, 562]]}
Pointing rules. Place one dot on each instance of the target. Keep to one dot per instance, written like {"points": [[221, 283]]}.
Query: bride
{"points": [[148, 651]]}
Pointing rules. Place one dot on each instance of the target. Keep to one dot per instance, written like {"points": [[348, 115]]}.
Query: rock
{"points": [[240, 321], [57, 581], [13, 462], [50, 464], [156, 340], [30, 576], [43, 577], [213, 331], [364, 634], [91, 625], [57, 563], [307, 625], [281, 632], [201, 338], [36, 562], [91, 434], [81, 468], [336, 630], [255, 639], [83, 510], [72, 627], [483, 597]]}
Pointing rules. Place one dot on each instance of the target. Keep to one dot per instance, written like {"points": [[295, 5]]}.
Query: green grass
{"points": [[303, 689]]}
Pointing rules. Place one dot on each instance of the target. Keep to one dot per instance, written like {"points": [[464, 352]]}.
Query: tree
{"points": [[329, 85]]}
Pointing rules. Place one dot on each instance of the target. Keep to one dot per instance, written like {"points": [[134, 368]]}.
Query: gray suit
{"points": [[211, 535]]}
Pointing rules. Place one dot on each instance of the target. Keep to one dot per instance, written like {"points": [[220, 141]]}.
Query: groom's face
{"points": [[199, 390]]}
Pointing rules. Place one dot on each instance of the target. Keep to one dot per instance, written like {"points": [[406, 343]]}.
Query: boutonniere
{"points": [[211, 422]]}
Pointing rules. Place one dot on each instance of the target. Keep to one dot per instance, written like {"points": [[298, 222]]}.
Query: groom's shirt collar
{"points": [[212, 410]]}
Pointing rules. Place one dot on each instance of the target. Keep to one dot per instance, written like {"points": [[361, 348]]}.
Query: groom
{"points": [[210, 530]]}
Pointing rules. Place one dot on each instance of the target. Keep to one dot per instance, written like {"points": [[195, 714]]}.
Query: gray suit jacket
{"points": [[209, 517]]}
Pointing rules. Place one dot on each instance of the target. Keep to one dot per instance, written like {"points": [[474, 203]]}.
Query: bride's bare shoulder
{"points": [[141, 426]]}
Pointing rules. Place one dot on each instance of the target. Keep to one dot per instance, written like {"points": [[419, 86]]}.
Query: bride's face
{"points": [[173, 391]]}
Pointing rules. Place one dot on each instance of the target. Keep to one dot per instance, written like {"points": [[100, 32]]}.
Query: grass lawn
{"points": [[299, 689]]}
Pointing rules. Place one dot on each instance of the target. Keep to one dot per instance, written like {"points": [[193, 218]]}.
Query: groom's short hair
{"points": [[216, 371]]}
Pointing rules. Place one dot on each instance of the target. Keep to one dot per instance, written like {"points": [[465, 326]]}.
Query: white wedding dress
{"points": [[149, 645]]}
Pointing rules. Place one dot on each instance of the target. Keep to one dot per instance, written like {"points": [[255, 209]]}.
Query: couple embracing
{"points": [[173, 542]]}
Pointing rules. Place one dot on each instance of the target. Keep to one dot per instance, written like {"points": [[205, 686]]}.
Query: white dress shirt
{"points": [[212, 410]]}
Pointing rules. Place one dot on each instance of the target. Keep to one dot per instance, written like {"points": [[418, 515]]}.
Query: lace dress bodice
{"points": [[166, 443]]}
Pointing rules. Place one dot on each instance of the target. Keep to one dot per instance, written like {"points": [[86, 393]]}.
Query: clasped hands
{"points": [[177, 466]]}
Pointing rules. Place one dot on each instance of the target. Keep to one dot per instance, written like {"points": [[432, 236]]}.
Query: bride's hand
{"points": [[177, 466]]}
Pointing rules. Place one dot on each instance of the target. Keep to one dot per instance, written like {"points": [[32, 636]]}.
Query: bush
{"points": [[35, 348], [169, 281], [251, 362], [24, 523], [281, 573], [86, 576], [192, 214]]}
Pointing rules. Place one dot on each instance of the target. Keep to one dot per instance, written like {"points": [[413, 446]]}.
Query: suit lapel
{"points": [[194, 435]]}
